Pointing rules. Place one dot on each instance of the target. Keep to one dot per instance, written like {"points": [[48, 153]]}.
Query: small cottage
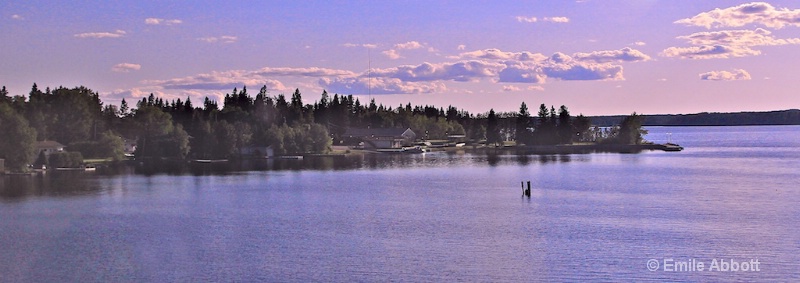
{"points": [[130, 146], [257, 151], [381, 138], [48, 147]]}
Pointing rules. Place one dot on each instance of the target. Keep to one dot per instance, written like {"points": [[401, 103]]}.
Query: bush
{"points": [[65, 159], [109, 146], [90, 149]]}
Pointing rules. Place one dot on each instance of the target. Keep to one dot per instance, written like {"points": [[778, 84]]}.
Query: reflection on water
{"points": [[61, 184], [71, 183]]}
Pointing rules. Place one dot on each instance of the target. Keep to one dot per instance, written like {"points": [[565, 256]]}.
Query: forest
{"points": [[179, 129]]}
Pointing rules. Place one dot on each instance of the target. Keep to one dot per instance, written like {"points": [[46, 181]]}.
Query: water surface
{"points": [[435, 217]]}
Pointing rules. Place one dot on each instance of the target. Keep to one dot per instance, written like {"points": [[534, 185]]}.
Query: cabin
{"points": [[130, 146], [48, 147], [257, 151], [380, 138]]}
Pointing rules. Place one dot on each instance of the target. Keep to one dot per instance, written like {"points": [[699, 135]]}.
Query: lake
{"points": [[729, 199]]}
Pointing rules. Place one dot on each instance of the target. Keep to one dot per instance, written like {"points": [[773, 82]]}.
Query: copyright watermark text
{"points": [[713, 265]]}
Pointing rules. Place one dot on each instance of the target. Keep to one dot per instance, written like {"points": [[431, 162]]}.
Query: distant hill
{"points": [[783, 117]]}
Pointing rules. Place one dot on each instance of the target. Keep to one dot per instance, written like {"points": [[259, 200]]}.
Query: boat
{"points": [[672, 147], [209, 160], [409, 149], [70, 169], [291, 157], [414, 149]]}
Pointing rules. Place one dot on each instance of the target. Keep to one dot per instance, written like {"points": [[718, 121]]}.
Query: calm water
{"points": [[732, 194]]}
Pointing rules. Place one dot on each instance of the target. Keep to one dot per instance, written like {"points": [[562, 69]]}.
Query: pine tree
{"points": [[523, 123], [492, 129]]}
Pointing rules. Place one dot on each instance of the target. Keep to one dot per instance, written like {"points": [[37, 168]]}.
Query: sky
{"points": [[596, 57]]}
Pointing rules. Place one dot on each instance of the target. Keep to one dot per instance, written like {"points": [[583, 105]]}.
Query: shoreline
{"points": [[474, 149]]}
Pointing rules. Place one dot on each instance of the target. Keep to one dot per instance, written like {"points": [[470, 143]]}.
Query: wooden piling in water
{"points": [[528, 191]]}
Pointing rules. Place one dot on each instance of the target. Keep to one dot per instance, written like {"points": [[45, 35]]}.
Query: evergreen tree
{"points": [[295, 108], [492, 129], [564, 128], [630, 130], [523, 124], [4, 98], [124, 109], [543, 129]]}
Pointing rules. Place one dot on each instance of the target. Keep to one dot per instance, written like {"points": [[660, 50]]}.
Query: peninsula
{"points": [[64, 127]]}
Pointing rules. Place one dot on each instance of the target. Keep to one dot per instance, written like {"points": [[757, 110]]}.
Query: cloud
{"points": [[736, 75], [461, 47], [365, 45], [220, 39], [523, 19], [157, 21], [223, 80], [726, 44], [462, 71], [408, 45], [392, 54], [626, 54], [422, 78], [17, 17], [564, 67], [218, 81], [757, 37], [521, 73], [751, 13], [709, 52], [364, 85], [640, 43], [535, 88], [557, 20], [511, 88], [483, 65], [126, 67], [115, 34], [527, 67], [303, 72], [496, 54]]}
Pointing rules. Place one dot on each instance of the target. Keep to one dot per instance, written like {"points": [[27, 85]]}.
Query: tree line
{"points": [[782, 117], [179, 129]]}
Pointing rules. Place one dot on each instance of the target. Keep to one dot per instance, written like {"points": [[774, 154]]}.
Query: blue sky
{"points": [[596, 57]]}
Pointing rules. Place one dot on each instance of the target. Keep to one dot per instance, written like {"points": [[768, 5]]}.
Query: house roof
{"points": [[48, 144], [377, 132]]}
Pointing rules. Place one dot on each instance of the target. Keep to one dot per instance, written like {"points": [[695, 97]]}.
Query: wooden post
{"points": [[528, 191]]}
